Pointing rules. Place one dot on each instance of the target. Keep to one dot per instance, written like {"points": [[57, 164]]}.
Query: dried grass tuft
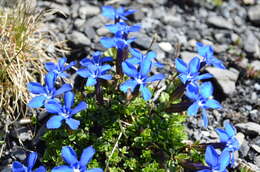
{"points": [[21, 55]]}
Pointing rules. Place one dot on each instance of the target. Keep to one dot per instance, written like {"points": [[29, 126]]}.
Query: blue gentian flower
{"points": [[190, 74], [207, 52], [122, 29], [138, 57], [216, 162], [18, 167], [116, 14], [202, 97], [70, 156], [60, 68], [117, 42], [228, 137], [94, 69], [139, 78], [64, 112], [47, 92]]}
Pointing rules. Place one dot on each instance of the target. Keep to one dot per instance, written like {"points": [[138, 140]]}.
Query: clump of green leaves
{"points": [[128, 136]]}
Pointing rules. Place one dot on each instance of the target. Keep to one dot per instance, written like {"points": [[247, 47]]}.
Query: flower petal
{"points": [[107, 42], [224, 160], [49, 66], [146, 93], [145, 67], [205, 118], [214, 104], [62, 168], [181, 66], [35, 88], [32, 159], [62, 89], [105, 67], [223, 136], [84, 72], [211, 156], [62, 62], [53, 107], [69, 155], [194, 65], [206, 89], [105, 77], [231, 130], [193, 109], [37, 102], [87, 155], [81, 106], [73, 123], [91, 81], [109, 12], [129, 84], [129, 69], [204, 76], [54, 122], [18, 167], [135, 28], [155, 77], [50, 80], [40, 169], [68, 99]]}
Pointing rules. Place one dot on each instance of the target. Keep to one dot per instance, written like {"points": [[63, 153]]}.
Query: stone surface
{"points": [[254, 14], [255, 64], [166, 46], [251, 44], [220, 22], [249, 128], [88, 11], [79, 38], [225, 78]]}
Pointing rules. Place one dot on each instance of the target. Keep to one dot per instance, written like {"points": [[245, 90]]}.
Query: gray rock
{"points": [[187, 56], [244, 149], [256, 65], [79, 24], [255, 115], [90, 32], [251, 44], [79, 38], [142, 40], [166, 47], [225, 78], [19, 154], [175, 21], [7, 169], [220, 22], [240, 138], [254, 14], [88, 11], [249, 128], [256, 148], [62, 8], [257, 161]]}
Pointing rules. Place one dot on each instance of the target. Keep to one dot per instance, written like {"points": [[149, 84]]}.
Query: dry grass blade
{"points": [[21, 53]]}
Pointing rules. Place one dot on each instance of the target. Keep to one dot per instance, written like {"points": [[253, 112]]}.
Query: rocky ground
{"points": [[232, 28]]}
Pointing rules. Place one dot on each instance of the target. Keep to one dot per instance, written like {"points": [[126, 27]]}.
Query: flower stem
{"points": [[99, 94]]}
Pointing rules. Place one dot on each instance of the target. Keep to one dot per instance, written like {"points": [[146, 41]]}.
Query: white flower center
{"points": [[76, 170], [139, 81], [64, 115]]}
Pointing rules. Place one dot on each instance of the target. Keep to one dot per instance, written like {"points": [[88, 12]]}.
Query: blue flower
{"points": [[207, 52], [139, 78], [94, 69], [47, 92], [70, 156], [228, 137], [60, 68], [216, 162], [138, 57], [18, 167], [190, 74], [117, 41], [122, 29], [64, 112], [116, 14], [202, 97]]}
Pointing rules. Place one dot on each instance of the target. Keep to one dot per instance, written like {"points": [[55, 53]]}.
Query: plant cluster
{"points": [[128, 131]]}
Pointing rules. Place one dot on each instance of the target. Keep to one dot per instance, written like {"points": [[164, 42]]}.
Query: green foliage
{"points": [[128, 136]]}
